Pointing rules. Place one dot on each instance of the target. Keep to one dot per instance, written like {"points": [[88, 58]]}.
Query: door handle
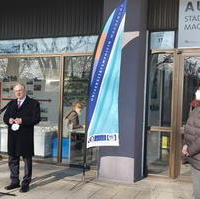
{"points": [[160, 129]]}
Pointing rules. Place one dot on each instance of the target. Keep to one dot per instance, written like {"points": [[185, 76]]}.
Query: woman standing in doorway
{"points": [[73, 116]]}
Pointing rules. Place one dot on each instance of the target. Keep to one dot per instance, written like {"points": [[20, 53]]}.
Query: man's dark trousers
{"points": [[13, 163]]}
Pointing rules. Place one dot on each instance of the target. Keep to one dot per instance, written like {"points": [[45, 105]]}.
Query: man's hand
{"points": [[18, 120], [185, 150], [11, 121]]}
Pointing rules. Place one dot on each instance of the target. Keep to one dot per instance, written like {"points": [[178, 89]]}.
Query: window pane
{"points": [[41, 78], [158, 150], [191, 83], [49, 45], [160, 90], [159, 112], [76, 80]]}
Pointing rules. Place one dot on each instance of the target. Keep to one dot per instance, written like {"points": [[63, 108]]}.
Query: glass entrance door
{"points": [[190, 80], [173, 77], [159, 109]]}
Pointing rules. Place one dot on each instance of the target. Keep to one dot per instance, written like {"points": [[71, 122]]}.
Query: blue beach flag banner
{"points": [[103, 119]]}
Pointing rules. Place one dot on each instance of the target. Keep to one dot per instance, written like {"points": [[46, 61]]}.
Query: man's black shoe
{"points": [[24, 189], [12, 186]]}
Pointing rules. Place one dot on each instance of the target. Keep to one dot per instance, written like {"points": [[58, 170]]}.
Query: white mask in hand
{"points": [[15, 127]]}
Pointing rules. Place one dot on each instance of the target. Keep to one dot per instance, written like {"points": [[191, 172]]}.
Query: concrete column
{"points": [[124, 163]]}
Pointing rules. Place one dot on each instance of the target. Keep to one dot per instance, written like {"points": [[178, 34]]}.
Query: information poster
{"points": [[35, 88], [162, 40]]}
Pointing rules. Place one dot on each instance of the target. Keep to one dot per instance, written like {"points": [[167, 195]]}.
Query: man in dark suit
{"points": [[21, 116]]}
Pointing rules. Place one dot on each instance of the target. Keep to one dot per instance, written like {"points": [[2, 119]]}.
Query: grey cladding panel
{"points": [[162, 15], [34, 19]]}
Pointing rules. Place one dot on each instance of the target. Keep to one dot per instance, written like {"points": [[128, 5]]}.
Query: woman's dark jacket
{"points": [[192, 137], [72, 116], [20, 142]]}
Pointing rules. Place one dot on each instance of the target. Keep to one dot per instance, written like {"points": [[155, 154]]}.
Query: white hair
{"points": [[19, 84]]}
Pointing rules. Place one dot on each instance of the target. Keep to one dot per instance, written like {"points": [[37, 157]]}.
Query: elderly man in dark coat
{"points": [[21, 116]]}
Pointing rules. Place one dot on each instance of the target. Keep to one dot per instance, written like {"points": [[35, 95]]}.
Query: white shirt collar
{"points": [[21, 100]]}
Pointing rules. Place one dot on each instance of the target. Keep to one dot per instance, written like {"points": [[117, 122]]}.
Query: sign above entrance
{"points": [[189, 24], [162, 40]]}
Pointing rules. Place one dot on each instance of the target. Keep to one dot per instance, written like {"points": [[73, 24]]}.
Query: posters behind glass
{"points": [[35, 89]]}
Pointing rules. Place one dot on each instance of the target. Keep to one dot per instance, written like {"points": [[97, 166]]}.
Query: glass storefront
{"points": [[41, 77], [59, 82]]}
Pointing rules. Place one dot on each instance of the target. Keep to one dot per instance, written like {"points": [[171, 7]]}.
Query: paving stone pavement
{"points": [[58, 182]]}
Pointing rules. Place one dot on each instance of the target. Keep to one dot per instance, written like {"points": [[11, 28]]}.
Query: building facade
{"points": [[49, 47]]}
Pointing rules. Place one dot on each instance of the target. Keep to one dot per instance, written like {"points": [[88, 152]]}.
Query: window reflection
{"points": [[191, 82], [76, 75], [49, 45], [41, 77], [159, 112], [158, 150], [160, 90]]}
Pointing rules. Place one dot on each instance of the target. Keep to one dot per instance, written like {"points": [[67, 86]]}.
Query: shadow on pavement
{"points": [[59, 175]]}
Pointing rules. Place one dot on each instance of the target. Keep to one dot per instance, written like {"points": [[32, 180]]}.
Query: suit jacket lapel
{"points": [[24, 103], [15, 105]]}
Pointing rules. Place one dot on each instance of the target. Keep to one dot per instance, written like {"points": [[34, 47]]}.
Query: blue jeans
{"points": [[196, 182]]}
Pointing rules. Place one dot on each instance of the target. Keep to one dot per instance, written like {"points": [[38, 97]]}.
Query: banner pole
{"points": [[86, 126], [84, 155]]}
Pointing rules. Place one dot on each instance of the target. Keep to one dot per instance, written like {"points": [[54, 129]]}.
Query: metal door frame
{"points": [[181, 54], [176, 107], [172, 129]]}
